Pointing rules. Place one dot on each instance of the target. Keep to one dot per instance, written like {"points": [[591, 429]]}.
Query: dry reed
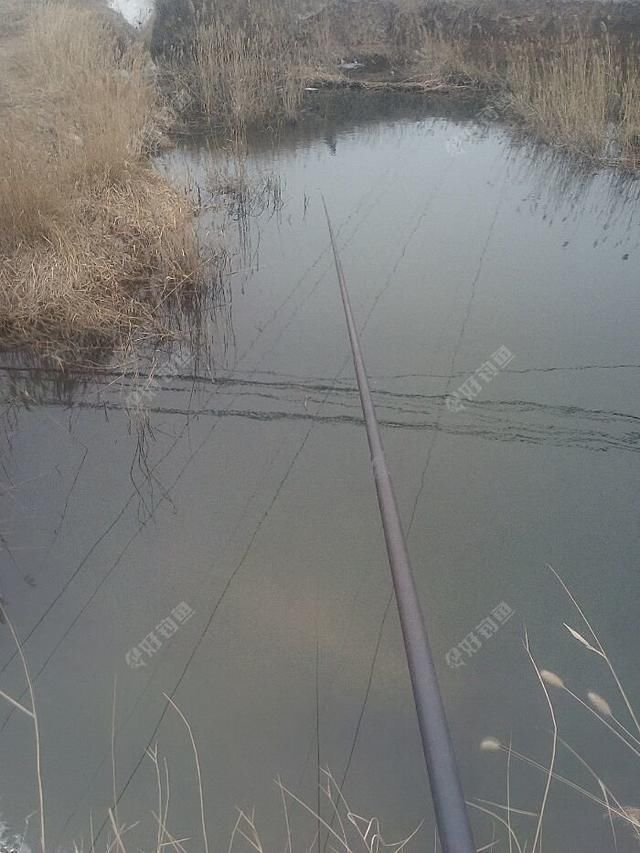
{"points": [[241, 66], [574, 85], [566, 97], [441, 57], [580, 94], [352, 834], [599, 709], [90, 236]]}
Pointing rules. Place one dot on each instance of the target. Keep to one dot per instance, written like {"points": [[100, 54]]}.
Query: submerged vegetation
{"points": [[92, 240]]}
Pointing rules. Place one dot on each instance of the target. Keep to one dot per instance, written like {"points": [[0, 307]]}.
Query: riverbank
{"points": [[95, 246], [93, 243], [571, 78]]}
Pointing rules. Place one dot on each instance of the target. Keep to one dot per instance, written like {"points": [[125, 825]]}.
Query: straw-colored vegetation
{"points": [[579, 93], [576, 88], [248, 62], [233, 63], [91, 239], [614, 717], [582, 95], [244, 71]]}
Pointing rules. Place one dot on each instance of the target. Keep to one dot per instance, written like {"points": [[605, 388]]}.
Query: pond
{"points": [[226, 549]]}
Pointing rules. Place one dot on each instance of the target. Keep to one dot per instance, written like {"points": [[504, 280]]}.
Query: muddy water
{"points": [[230, 554]]}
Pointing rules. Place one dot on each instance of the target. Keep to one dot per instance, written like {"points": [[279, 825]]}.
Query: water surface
{"points": [[249, 498]]}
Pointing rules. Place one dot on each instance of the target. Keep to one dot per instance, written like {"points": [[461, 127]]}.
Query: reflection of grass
{"points": [[244, 194], [91, 240], [600, 709]]}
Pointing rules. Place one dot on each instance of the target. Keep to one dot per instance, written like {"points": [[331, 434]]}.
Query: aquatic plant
{"points": [[11, 842]]}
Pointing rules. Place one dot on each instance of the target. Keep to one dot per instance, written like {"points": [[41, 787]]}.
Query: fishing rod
{"points": [[452, 817]]}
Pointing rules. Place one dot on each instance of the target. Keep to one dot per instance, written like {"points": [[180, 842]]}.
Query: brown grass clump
{"points": [[407, 29], [564, 97], [238, 64], [90, 236], [245, 67], [452, 60], [630, 123], [581, 95], [108, 266]]}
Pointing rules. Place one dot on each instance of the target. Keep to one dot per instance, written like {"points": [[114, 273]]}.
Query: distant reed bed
{"points": [[574, 85], [246, 70], [582, 95]]}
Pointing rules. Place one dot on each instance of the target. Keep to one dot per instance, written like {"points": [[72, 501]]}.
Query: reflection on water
{"points": [[244, 492]]}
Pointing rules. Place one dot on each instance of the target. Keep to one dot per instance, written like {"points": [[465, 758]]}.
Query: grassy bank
{"points": [[94, 244], [91, 239], [581, 95], [571, 78]]}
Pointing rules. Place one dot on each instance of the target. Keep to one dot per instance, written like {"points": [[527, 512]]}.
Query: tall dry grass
{"points": [[570, 82], [630, 122], [615, 718], [580, 95], [567, 95], [90, 237], [245, 65], [441, 57], [79, 104]]}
